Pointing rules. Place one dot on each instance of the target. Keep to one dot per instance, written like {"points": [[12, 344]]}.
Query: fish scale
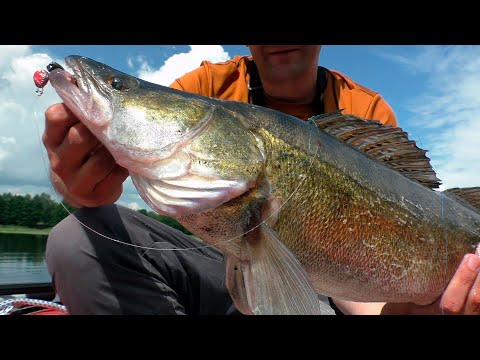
{"points": [[351, 225]]}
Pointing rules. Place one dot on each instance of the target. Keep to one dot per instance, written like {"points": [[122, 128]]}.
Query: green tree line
{"points": [[41, 212]]}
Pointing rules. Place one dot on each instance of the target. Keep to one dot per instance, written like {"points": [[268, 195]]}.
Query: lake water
{"points": [[22, 259]]}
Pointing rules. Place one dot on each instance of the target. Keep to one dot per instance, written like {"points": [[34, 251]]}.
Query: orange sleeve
{"points": [[195, 81], [226, 80], [356, 99], [380, 110]]}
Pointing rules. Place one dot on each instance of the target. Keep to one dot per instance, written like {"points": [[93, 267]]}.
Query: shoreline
{"points": [[12, 229]]}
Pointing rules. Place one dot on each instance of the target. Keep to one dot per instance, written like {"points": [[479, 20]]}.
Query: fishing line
{"points": [[40, 143], [302, 177]]}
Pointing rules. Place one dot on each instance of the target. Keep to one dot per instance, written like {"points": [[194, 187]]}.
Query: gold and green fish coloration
{"points": [[338, 205]]}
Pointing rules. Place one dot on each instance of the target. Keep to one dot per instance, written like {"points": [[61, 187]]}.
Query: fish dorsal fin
{"points": [[385, 143], [470, 195]]}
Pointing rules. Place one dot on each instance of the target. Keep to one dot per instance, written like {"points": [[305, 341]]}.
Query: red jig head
{"points": [[40, 78]]}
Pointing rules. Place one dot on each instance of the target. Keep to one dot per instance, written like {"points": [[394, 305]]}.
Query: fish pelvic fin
{"points": [[274, 281], [469, 195], [385, 143], [237, 276]]}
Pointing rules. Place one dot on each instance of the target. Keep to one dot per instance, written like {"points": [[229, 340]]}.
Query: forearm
{"points": [[357, 308]]}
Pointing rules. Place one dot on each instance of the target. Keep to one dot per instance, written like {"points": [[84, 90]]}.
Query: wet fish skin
{"points": [[262, 185]]}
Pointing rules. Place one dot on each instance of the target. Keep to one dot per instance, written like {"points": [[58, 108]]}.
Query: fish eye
{"points": [[118, 83]]}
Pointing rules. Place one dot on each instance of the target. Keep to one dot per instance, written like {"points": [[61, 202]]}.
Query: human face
{"points": [[282, 62]]}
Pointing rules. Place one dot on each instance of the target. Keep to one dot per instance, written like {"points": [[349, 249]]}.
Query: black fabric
{"points": [[95, 275], [321, 85], [255, 89]]}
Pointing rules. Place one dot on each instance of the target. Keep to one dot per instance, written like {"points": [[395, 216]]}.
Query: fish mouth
{"points": [[78, 94], [65, 84]]}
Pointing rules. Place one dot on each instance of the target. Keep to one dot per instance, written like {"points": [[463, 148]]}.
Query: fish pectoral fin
{"points": [[237, 271], [277, 282]]}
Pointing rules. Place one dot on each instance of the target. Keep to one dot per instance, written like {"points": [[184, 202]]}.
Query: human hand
{"points": [[83, 170]]}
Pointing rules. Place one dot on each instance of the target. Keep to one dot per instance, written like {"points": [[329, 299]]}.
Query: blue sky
{"points": [[434, 91]]}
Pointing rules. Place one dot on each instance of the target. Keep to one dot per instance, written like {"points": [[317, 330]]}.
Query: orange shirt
{"points": [[228, 81]]}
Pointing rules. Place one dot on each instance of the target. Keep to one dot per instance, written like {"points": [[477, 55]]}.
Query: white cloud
{"points": [[449, 110], [133, 205], [21, 117], [7, 140], [3, 154], [9, 52], [179, 64], [5, 143]]}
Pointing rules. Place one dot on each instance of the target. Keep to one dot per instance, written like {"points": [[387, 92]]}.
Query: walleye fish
{"points": [[338, 205]]}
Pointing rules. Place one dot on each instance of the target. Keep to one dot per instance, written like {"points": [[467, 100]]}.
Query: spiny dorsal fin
{"points": [[471, 195], [386, 143]]}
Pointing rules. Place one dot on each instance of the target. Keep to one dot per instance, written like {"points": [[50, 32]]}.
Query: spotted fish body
{"points": [[362, 231], [380, 237], [295, 206]]}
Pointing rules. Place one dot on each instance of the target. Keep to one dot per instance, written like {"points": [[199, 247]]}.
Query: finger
{"points": [[67, 159], [78, 145], [94, 170], [454, 298], [109, 189], [117, 176], [472, 306], [58, 120]]}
